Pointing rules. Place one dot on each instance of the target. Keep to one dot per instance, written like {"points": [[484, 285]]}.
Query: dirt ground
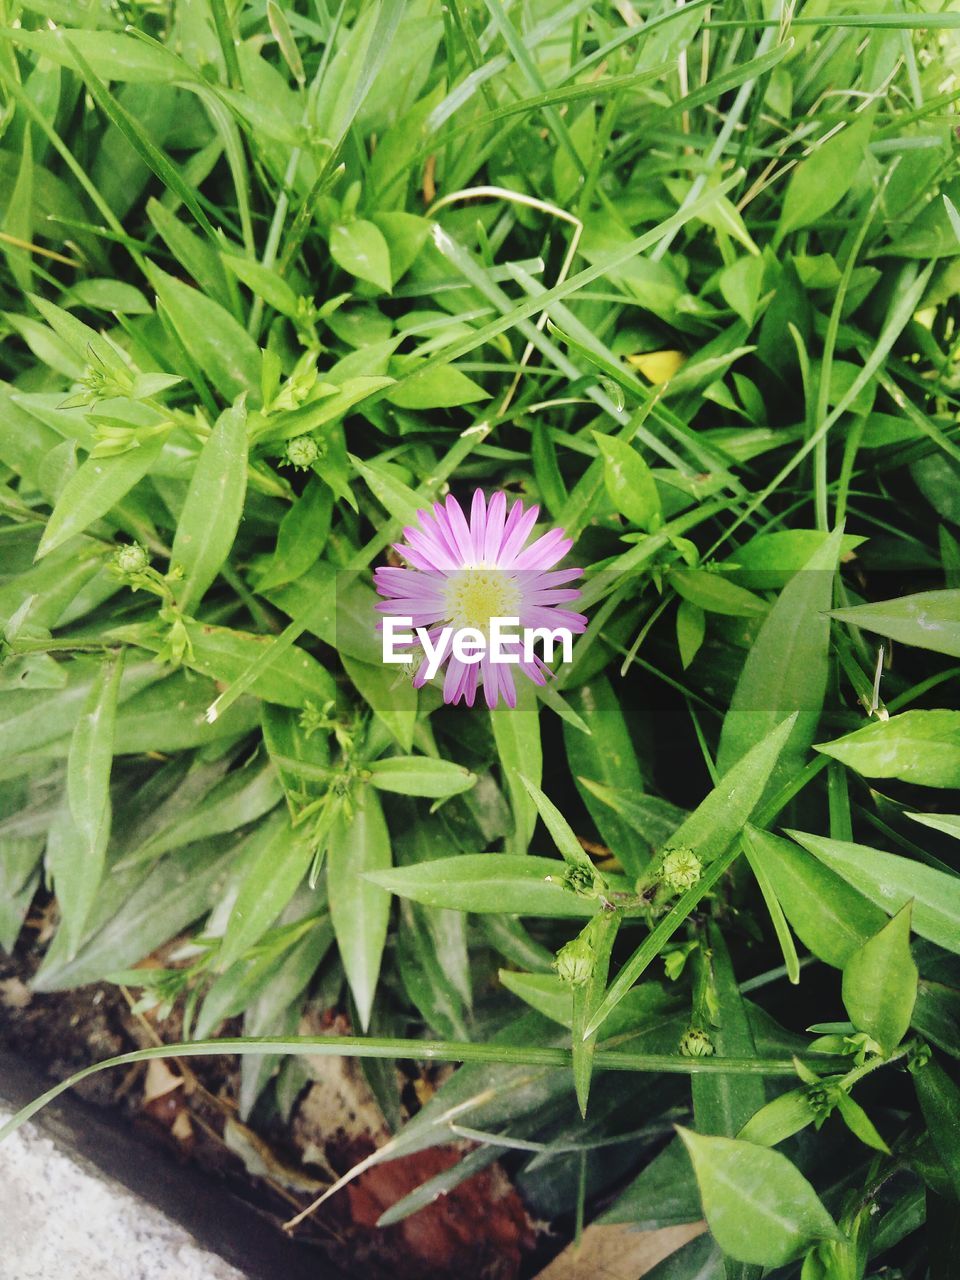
{"points": [[189, 1107]]}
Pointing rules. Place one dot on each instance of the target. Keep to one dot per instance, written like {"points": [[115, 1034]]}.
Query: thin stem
{"points": [[424, 1051]]}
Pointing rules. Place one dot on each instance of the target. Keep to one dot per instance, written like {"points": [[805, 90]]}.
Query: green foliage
{"points": [[274, 280], [758, 1206], [880, 983]]}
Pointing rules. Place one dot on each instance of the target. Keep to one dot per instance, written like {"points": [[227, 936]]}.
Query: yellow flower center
{"points": [[476, 594]]}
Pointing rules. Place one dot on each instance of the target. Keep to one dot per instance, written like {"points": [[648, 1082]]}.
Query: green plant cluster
{"points": [[274, 278]]}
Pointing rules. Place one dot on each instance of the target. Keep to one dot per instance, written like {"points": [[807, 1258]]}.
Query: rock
{"points": [[62, 1217]]}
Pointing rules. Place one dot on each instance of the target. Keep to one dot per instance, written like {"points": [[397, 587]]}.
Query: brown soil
{"points": [[189, 1108]]}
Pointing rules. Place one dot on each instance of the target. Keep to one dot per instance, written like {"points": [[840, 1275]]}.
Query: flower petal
{"points": [[496, 516]]}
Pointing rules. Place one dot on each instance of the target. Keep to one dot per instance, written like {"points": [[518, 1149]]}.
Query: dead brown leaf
{"points": [[618, 1252], [14, 994]]}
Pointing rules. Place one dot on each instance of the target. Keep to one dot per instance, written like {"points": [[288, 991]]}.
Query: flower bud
{"points": [[919, 1057], [574, 962], [131, 559], [821, 1098], [302, 452], [680, 870], [579, 880], [695, 1043]]}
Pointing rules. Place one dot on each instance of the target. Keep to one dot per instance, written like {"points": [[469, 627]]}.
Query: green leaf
{"points": [[860, 1124], [278, 860], [135, 913], [546, 469], [128, 124], [405, 234], [949, 823], [275, 1010], [936, 1016], [922, 747], [629, 482], [522, 885], [221, 347], [723, 1103], [420, 776], [928, 620], [648, 1006], [241, 985], [391, 697], [169, 716], [606, 758], [653, 819], [571, 850], [112, 55], [198, 258], [19, 878], [777, 917], [516, 731], [601, 932], [224, 654], [940, 1103], [880, 983], [265, 283], [108, 295], [360, 249], [94, 489], [436, 386], [710, 831], [740, 285], [691, 630], [822, 180], [301, 537], [827, 914], [302, 759], [19, 219], [891, 882], [322, 413], [214, 504], [664, 1194], [769, 560], [779, 1119], [715, 593], [243, 796], [78, 846], [759, 1207], [721, 816], [359, 848], [394, 496], [786, 667]]}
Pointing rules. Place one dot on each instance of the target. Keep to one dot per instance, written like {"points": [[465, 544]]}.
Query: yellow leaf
{"points": [[658, 366]]}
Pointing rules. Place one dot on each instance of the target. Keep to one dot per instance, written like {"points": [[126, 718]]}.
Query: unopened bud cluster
{"points": [[574, 962], [302, 452], [695, 1043], [131, 559], [680, 870]]}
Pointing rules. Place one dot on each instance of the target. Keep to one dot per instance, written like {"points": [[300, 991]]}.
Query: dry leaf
{"points": [[260, 1161], [618, 1252]]}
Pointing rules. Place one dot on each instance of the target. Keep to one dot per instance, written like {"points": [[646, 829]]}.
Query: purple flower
{"points": [[462, 575]]}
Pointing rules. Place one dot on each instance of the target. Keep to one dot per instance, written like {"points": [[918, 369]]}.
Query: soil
{"points": [[189, 1107]]}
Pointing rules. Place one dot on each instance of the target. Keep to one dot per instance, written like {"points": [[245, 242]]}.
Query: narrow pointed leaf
{"points": [[211, 514], [94, 489], [891, 881], [359, 907], [880, 983], [928, 620]]}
